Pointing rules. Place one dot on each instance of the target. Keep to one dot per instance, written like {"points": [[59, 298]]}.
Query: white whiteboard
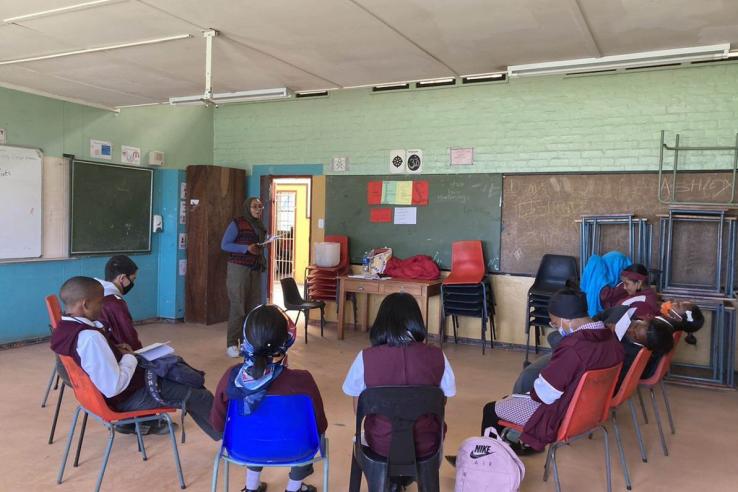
{"points": [[21, 212]]}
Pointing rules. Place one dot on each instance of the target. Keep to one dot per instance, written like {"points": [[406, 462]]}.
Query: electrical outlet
{"points": [[339, 164]]}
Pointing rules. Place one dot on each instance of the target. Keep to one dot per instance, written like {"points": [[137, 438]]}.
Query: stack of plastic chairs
{"points": [[466, 291], [553, 272], [322, 282]]}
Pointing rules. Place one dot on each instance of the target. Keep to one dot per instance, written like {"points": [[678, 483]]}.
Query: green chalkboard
{"points": [[110, 208], [460, 207]]}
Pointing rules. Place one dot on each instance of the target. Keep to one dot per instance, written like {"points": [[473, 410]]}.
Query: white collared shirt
{"points": [[109, 288], [98, 361]]}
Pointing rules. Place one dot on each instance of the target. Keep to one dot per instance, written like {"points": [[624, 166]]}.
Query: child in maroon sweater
{"points": [[266, 338], [120, 275]]}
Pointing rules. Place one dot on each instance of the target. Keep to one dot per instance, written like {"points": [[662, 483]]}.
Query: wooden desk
{"points": [[420, 289]]}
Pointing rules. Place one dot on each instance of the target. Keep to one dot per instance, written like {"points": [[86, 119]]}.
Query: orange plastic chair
{"points": [[57, 371], [587, 412], [658, 379], [91, 402], [467, 263], [627, 388]]}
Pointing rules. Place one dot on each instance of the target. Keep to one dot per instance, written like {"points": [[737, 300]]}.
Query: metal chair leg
{"points": [[643, 405], [557, 483], [106, 457], [658, 422], [48, 386], [355, 478], [637, 427], [455, 321], [668, 407], [608, 469], [60, 475], [139, 438], [547, 466], [484, 335], [226, 468], [56, 413], [322, 320], [216, 469], [175, 451], [79, 441], [307, 321], [326, 464], [621, 451]]}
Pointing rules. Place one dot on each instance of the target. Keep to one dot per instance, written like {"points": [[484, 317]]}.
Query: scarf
{"points": [[248, 389]]}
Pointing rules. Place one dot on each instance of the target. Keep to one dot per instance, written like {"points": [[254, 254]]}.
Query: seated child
{"points": [[586, 345], [634, 291], [266, 338], [399, 356], [113, 370], [120, 275], [685, 316]]}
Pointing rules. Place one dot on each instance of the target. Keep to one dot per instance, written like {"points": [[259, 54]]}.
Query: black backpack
{"points": [[173, 368]]}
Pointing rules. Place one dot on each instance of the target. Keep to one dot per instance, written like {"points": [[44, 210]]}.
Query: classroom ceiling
{"points": [[324, 44]]}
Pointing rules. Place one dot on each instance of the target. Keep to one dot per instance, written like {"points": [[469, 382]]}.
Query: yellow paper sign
{"points": [[404, 193]]}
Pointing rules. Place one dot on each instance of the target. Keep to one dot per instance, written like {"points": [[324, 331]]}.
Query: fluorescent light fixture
{"points": [[317, 93], [436, 82], [60, 10], [646, 58], [395, 86], [234, 97], [483, 77], [95, 50]]}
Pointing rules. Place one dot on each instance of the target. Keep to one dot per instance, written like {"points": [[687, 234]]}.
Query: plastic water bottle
{"points": [[365, 264]]}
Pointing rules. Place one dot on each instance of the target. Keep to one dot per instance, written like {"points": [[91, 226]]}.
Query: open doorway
{"points": [[290, 219]]}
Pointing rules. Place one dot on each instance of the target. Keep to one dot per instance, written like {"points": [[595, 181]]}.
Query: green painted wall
{"points": [[184, 134], [544, 124]]}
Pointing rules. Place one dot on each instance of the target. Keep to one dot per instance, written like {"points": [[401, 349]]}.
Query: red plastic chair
{"points": [[91, 402], [467, 263], [57, 372], [627, 388], [658, 379], [587, 412]]}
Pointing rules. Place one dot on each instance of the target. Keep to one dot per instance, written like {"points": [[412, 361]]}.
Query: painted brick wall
{"points": [[546, 124]]}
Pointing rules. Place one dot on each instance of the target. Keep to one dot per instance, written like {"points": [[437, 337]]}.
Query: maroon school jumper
{"points": [[290, 382], [581, 351], [64, 342], [118, 321], [414, 364], [646, 301]]}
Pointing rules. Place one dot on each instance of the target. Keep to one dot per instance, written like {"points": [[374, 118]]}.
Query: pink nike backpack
{"points": [[488, 464]]}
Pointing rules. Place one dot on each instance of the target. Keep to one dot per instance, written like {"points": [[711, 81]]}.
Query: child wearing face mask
{"points": [[120, 276]]}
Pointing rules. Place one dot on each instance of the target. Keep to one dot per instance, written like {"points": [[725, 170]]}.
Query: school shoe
{"points": [[131, 429], [305, 488], [160, 427], [262, 488], [233, 351]]}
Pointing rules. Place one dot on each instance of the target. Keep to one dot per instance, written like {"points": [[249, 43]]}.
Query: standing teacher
{"points": [[245, 264]]}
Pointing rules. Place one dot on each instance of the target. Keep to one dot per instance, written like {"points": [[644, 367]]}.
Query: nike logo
{"points": [[480, 451]]}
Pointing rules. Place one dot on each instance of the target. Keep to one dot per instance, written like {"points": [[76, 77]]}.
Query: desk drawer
{"points": [[409, 288], [360, 285]]}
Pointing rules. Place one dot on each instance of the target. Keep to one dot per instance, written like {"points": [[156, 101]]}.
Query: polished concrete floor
{"points": [[702, 453]]}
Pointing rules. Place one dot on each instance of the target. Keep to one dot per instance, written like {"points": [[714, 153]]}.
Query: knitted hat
{"points": [[568, 304]]}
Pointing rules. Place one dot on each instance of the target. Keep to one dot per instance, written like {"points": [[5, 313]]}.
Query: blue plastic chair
{"points": [[282, 432]]}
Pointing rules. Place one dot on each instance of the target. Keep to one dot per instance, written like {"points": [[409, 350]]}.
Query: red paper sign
{"points": [[420, 193], [380, 215], [374, 193]]}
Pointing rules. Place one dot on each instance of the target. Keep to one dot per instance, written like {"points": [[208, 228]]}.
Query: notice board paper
{"points": [[406, 215]]}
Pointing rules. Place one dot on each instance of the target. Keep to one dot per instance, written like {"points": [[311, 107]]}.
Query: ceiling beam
{"points": [[224, 35], [581, 21], [405, 37]]}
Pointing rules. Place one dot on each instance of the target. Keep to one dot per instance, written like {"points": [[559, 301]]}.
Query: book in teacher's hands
{"points": [[155, 351]]}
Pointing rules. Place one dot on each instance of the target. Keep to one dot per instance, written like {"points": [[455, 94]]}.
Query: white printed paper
{"points": [[406, 215], [100, 149], [414, 161], [182, 191], [182, 212], [624, 323], [461, 156], [182, 268], [182, 240], [155, 351], [397, 162], [130, 155]]}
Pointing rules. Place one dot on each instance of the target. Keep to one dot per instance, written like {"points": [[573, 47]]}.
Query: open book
{"points": [[155, 351]]}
